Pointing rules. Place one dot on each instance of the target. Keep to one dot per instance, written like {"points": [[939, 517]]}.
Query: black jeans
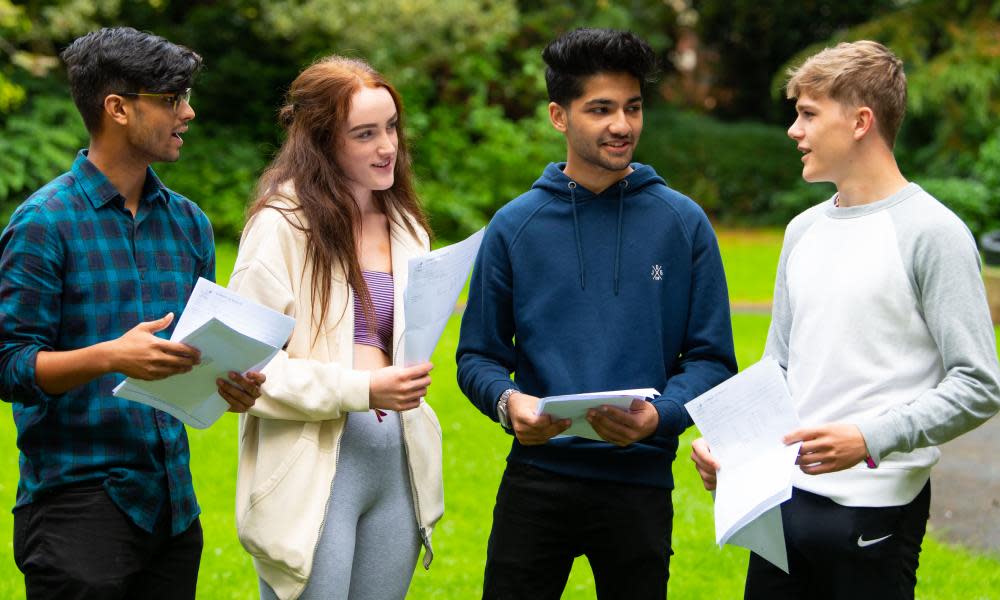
{"points": [[76, 543], [542, 521], [844, 553]]}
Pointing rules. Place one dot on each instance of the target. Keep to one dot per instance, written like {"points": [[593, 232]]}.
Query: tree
{"points": [[752, 38], [951, 52]]}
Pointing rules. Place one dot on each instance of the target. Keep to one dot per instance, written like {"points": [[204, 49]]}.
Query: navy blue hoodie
{"points": [[577, 292]]}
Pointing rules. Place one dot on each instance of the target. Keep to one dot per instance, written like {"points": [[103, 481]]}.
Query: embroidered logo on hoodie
{"points": [[657, 273]]}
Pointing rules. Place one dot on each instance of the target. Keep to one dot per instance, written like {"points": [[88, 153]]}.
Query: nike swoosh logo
{"points": [[863, 543]]}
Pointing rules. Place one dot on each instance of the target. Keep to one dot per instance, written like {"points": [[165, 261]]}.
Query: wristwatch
{"points": [[502, 415]]}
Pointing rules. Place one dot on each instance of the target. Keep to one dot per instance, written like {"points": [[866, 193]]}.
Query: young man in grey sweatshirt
{"points": [[881, 323]]}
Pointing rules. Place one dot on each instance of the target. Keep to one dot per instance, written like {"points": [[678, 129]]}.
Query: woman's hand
{"points": [[399, 388]]}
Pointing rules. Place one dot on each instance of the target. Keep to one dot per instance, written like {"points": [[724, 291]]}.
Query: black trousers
{"points": [[844, 553], [542, 521], [76, 543]]}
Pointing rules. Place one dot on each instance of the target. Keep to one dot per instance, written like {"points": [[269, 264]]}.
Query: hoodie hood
{"points": [[555, 182]]}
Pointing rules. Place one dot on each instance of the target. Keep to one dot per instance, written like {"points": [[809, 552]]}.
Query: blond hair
{"points": [[863, 73]]}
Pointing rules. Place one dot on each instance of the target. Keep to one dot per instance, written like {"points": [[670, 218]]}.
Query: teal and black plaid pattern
{"points": [[75, 270]]}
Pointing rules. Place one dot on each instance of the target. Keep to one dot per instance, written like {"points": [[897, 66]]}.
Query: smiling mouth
{"points": [[617, 144], [383, 164]]}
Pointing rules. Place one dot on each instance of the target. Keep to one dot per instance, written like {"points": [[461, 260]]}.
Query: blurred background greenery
{"points": [[471, 76]]}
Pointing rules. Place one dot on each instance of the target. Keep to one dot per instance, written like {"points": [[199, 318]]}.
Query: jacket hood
{"points": [[554, 181]]}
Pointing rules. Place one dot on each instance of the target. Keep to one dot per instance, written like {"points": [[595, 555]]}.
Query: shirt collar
{"points": [[99, 190]]}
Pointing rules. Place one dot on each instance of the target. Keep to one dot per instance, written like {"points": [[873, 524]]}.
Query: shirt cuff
{"points": [[672, 418], [879, 437], [24, 388]]}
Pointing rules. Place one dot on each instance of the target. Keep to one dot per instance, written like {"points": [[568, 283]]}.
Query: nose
{"points": [[387, 143], [795, 130], [619, 124], [185, 111]]}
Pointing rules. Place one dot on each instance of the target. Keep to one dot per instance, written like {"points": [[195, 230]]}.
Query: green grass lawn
{"points": [[474, 455], [750, 259]]}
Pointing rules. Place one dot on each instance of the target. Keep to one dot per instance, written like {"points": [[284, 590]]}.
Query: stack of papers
{"points": [[232, 334], [434, 282], [743, 420], [575, 407]]}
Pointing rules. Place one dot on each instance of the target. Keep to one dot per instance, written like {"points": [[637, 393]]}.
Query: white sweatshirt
{"points": [[880, 319]]}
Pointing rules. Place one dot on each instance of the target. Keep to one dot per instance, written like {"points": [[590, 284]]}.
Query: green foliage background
{"points": [[472, 79]]}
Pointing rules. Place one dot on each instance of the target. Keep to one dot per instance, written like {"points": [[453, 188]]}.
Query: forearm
{"points": [[482, 381], [301, 389], [954, 308], [965, 399], [696, 377], [57, 372]]}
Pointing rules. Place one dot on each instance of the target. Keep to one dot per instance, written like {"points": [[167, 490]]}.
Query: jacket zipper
{"points": [[428, 552], [336, 465]]}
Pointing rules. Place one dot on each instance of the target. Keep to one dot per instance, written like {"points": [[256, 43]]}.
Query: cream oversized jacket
{"points": [[290, 439]]}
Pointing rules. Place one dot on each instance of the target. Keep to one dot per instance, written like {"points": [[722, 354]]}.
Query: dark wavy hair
{"points": [[122, 59], [314, 115], [581, 53]]}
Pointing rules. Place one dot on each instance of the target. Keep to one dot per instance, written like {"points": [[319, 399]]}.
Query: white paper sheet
{"points": [[209, 300], [743, 420], [434, 282], [575, 407], [232, 334]]}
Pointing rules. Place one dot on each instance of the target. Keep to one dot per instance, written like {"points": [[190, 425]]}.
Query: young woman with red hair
{"points": [[339, 478]]}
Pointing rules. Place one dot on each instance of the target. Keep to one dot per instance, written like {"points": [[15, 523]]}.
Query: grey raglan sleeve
{"points": [[781, 315], [946, 279], [781, 309]]}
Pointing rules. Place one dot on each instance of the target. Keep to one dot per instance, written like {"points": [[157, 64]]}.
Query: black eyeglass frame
{"points": [[172, 98]]}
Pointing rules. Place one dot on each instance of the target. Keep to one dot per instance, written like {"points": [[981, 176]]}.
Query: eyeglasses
{"points": [[174, 99]]}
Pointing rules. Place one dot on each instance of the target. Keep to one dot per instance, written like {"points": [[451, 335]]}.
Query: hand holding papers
{"points": [[744, 419], [232, 333], [575, 407], [433, 284]]}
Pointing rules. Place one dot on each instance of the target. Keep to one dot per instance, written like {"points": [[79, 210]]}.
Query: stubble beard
{"points": [[147, 147], [594, 156]]}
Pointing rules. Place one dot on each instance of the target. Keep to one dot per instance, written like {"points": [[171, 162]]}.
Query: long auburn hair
{"points": [[314, 115]]}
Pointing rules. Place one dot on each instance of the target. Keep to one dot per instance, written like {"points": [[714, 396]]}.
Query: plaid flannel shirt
{"points": [[77, 269]]}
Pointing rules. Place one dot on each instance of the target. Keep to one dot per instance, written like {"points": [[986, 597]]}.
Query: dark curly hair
{"points": [[581, 53], [122, 59]]}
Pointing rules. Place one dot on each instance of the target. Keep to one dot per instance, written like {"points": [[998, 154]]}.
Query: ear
{"points": [[864, 121], [558, 117], [116, 109]]}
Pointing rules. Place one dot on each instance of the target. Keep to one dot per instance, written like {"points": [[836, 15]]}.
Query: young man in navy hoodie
{"points": [[598, 278]]}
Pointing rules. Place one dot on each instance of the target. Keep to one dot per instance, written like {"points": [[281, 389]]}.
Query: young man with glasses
{"points": [[94, 267]]}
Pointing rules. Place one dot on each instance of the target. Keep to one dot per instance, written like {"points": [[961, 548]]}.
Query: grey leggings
{"points": [[369, 544]]}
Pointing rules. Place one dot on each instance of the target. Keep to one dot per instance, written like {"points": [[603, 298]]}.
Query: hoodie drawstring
{"points": [[576, 231], [618, 248]]}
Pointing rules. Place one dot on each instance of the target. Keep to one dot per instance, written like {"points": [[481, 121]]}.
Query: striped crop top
{"points": [[380, 288]]}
